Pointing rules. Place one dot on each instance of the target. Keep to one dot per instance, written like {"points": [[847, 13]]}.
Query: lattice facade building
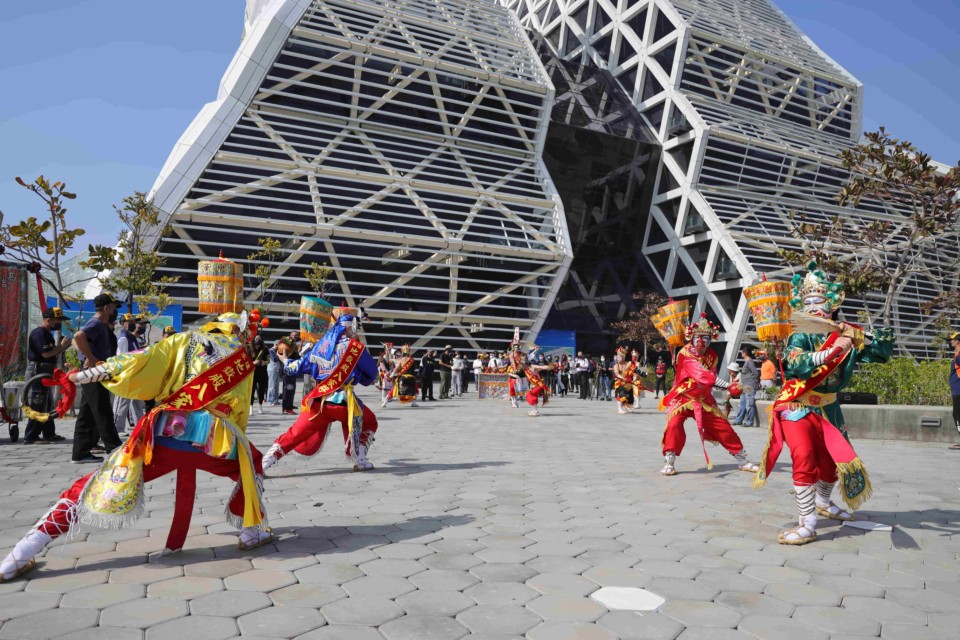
{"points": [[750, 116], [398, 142]]}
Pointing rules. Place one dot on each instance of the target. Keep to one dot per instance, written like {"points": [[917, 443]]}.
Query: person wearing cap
{"points": [[191, 429], [42, 352], [95, 416], [169, 331], [127, 412], [446, 371], [338, 362], [955, 382]]}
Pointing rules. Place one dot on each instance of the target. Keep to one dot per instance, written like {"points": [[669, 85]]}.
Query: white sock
{"points": [[24, 551]]}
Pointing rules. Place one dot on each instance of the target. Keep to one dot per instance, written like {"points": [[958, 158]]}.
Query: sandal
{"points": [[834, 512], [954, 447], [258, 542], [20, 571], [800, 539], [749, 467], [668, 470]]}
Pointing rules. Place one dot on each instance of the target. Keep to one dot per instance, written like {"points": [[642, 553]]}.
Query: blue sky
{"points": [[97, 92]]}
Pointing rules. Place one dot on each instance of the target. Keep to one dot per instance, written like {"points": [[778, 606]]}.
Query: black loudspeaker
{"points": [[855, 397]]}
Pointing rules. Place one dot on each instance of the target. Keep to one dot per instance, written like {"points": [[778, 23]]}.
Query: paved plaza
{"points": [[483, 523]]}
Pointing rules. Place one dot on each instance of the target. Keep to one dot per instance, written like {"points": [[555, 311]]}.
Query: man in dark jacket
{"points": [[427, 364], [42, 353]]}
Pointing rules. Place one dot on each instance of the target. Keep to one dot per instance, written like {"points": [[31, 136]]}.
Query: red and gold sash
{"points": [[535, 380], [405, 367], [793, 389], [709, 361], [339, 375]]}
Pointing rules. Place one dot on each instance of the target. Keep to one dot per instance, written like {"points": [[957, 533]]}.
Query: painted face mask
{"points": [[700, 343]]}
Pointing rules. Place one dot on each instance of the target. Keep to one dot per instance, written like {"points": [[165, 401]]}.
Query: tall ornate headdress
{"points": [[702, 327], [405, 349], [622, 351], [816, 283]]}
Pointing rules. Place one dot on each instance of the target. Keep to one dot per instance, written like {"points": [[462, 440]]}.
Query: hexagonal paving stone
{"points": [[562, 584], [14, 605], [378, 587], [705, 633], [142, 614], [366, 611], [206, 627], [846, 586], [99, 596], [804, 594], [506, 593], [218, 568], [285, 561], [260, 580], [503, 572], [776, 628], [66, 581], [403, 551], [48, 624], [886, 578], [566, 608], [455, 561], [394, 568], [280, 622], [184, 588], [914, 632], [329, 574], [494, 618], [650, 626], [508, 554], [755, 604], [569, 631], [929, 600], [885, 610], [307, 595], [443, 580], [679, 589], [435, 603], [694, 613], [618, 577], [777, 574], [104, 633], [836, 620], [667, 569], [231, 604], [558, 564], [145, 574], [417, 627], [727, 580], [342, 632]]}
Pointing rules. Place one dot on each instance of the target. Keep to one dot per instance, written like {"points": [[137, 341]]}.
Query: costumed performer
{"points": [[338, 362], [538, 388], [384, 369], [202, 381], [404, 382], [807, 416], [623, 373], [514, 368], [692, 397]]}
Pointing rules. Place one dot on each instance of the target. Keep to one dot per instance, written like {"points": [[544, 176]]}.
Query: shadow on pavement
{"points": [[402, 467]]}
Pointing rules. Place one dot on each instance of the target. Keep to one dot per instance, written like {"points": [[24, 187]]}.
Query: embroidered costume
{"points": [[807, 416], [692, 397], [405, 386], [338, 362], [537, 388], [623, 381], [201, 381]]}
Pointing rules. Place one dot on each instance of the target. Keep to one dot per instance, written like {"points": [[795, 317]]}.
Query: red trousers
{"points": [[307, 433], [533, 396], [811, 460], [715, 429], [165, 460]]}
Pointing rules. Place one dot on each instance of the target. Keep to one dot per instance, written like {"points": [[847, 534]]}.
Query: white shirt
{"points": [[478, 366], [583, 365]]}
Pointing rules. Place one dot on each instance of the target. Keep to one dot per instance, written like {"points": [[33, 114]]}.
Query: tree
{"points": [[45, 243], [318, 275], [133, 262], [637, 326], [920, 206], [266, 259]]}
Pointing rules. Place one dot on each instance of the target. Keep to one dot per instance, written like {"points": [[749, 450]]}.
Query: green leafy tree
{"points": [[45, 240], [318, 275], [921, 205], [133, 262], [266, 259]]}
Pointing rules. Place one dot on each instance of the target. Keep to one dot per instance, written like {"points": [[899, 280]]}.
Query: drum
{"points": [[315, 317]]}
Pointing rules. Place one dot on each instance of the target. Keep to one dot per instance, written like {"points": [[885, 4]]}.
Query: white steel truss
{"points": [[751, 116], [398, 142]]}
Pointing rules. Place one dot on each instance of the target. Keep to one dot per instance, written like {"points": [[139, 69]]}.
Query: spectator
{"points": [[955, 382], [582, 370], [261, 359], [768, 373], [459, 366], [427, 363], [564, 384], [274, 373], [605, 378], [42, 353], [287, 347], [95, 417], [660, 371], [749, 378], [446, 371], [127, 412], [478, 369]]}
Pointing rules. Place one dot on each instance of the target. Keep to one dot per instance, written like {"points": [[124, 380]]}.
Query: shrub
{"points": [[905, 381]]}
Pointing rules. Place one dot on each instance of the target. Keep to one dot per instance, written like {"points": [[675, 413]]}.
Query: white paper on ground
{"points": [[866, 525], [630, 598]]}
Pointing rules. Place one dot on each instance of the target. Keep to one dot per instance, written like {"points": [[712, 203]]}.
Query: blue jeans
{"points": [[748, 403], [606, 387], [273, 384]]}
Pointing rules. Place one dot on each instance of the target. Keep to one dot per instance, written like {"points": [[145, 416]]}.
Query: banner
{"points": [[13, 319], [557, 343], [493, 386]]}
